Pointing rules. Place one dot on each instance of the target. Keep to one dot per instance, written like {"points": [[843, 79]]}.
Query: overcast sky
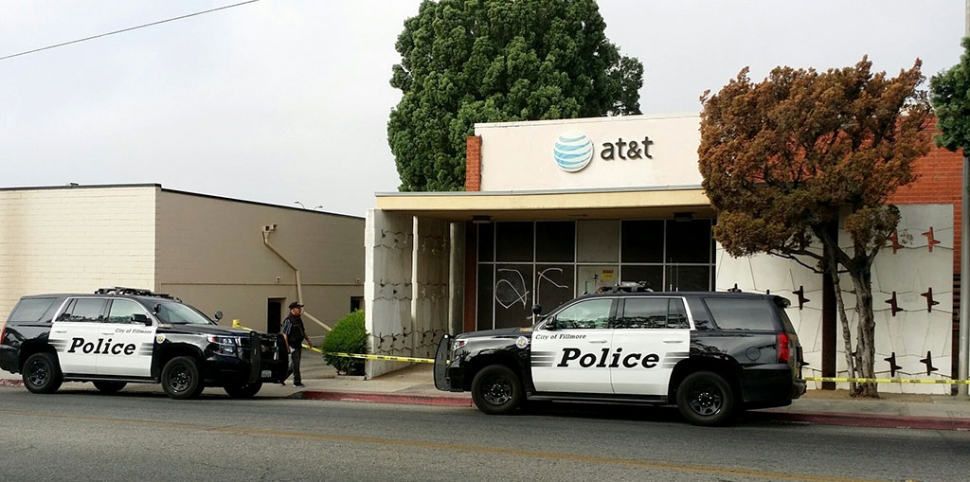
{"points": [[287, 100]]}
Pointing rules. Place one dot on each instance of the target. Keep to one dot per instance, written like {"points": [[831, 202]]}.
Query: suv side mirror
{"points": [[140, 318], [536, 310], [218, 315], [550, 325]]}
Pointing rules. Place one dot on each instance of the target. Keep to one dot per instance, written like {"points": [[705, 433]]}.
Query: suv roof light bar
{"points": [[122, 291]]}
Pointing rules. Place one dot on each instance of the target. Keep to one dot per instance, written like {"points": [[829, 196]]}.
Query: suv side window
{"points": [[122, 311], [653, 313], [31, 309], [589, 315], [742, 313], [85, 310]]}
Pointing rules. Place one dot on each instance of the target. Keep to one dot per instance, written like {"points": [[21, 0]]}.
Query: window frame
{"points": [[12, 318], [621, 309], [769, 305], [553, 317], [71, 303], [128, 322]]}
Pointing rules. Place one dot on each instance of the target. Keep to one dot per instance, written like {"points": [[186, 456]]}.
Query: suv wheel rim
{"points": [[706, 399], [37, 373], [180, 379], [498, 391]]}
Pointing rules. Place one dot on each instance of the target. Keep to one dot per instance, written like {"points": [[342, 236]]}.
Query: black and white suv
{"points": [[121, 335], [712, 354]]}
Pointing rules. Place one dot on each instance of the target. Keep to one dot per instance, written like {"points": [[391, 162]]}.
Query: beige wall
{"points": [[518, 156], [210, 253], [75, 240]]}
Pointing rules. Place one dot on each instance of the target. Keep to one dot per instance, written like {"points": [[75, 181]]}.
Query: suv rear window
{"points": [[31, 309], [742, 314]]}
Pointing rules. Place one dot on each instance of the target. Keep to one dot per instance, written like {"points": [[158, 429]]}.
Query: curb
{"points": [[811, 418], [7, 382], [383, 397], [859, 420]]}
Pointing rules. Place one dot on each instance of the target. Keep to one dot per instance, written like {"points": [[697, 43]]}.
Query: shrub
{"points": [[348, 336]]}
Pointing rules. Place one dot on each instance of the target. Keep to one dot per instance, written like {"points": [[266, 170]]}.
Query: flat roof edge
{"points": [[538, 192], [585, 120], [258, 203], [175, 191], [79, 186]]}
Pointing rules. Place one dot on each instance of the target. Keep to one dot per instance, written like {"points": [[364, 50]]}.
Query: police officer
{"points": [[294, 333]]}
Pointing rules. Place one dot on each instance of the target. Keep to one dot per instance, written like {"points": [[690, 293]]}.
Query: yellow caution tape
{"points": [[383, 357], [887, 380]]}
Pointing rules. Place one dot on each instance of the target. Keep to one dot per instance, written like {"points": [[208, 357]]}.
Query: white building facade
{"points": [[554, 209]]}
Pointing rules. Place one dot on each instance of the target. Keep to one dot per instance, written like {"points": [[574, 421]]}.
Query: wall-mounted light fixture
{"points": [[481, 219], [683, 217]]}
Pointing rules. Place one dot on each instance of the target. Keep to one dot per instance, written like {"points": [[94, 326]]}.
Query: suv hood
{"points": [[204, 330], [510, 332]]}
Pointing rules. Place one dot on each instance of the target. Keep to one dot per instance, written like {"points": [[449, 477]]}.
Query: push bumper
{"points": [[448, 375]]}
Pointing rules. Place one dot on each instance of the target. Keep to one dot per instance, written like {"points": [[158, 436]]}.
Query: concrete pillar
{"points": [[389, 246], [431, 303], [456, 281]]}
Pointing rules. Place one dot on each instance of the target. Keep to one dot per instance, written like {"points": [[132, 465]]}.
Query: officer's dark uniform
{"points": [[295, 334]]}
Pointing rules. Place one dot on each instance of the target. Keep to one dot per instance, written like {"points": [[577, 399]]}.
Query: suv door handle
{"points": [[673, 341], [597, 341]]}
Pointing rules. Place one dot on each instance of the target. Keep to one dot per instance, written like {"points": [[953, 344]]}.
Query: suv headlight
{"points": [[226, 345], [455, 345]]}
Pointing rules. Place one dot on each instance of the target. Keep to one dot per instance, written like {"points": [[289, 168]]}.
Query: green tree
{"points": [[950, 97], [785, 158], [468, 61]]}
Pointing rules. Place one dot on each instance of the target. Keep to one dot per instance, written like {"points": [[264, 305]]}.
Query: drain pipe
{"points": [[267, 230]]}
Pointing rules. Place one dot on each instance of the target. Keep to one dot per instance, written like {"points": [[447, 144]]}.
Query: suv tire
{"points": [[497, 390], [42, 373], [180, 378], [706, 399], [109, 387], [246, 390]]}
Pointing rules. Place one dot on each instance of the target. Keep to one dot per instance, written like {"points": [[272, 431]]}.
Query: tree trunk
{"points": [[833, 271], [866, 336]]}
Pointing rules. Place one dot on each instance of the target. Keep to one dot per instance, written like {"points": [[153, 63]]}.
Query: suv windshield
{"points": [[179, 314]]}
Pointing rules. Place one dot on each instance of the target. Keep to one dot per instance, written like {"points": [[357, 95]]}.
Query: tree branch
{"points": [[794, 257]]}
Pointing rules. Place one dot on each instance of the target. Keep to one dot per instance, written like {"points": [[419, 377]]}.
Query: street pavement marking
{"points": [[475, 449]]}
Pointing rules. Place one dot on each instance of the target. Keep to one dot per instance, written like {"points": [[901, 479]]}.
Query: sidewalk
{"points": [[415, 386]]}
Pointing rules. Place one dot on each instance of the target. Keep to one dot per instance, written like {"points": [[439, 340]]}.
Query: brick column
{"points": [[473, 163]]}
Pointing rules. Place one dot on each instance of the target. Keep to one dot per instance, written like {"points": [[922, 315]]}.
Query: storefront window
{"points": [[513, 242], [554, 285], [598, 241], [513, 295], [556, 242], [643, 242], [689, 242], [486, 243], [549, 262]]}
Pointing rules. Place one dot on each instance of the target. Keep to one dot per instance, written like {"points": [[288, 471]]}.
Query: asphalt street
{"points": [[81, 435]]}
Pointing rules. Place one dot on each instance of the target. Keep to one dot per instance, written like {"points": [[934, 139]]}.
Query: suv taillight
{"points": [[3, 331], [784, 350]]}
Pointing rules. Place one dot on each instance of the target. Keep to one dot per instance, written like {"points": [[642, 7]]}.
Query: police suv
{"points": [[122, 335], [712, 354]]}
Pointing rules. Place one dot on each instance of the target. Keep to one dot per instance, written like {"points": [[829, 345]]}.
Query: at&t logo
{"points": [[573, 151]]}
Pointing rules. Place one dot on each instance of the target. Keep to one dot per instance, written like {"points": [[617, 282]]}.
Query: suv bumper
{"points": [[774, 385], [9, 359]]}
